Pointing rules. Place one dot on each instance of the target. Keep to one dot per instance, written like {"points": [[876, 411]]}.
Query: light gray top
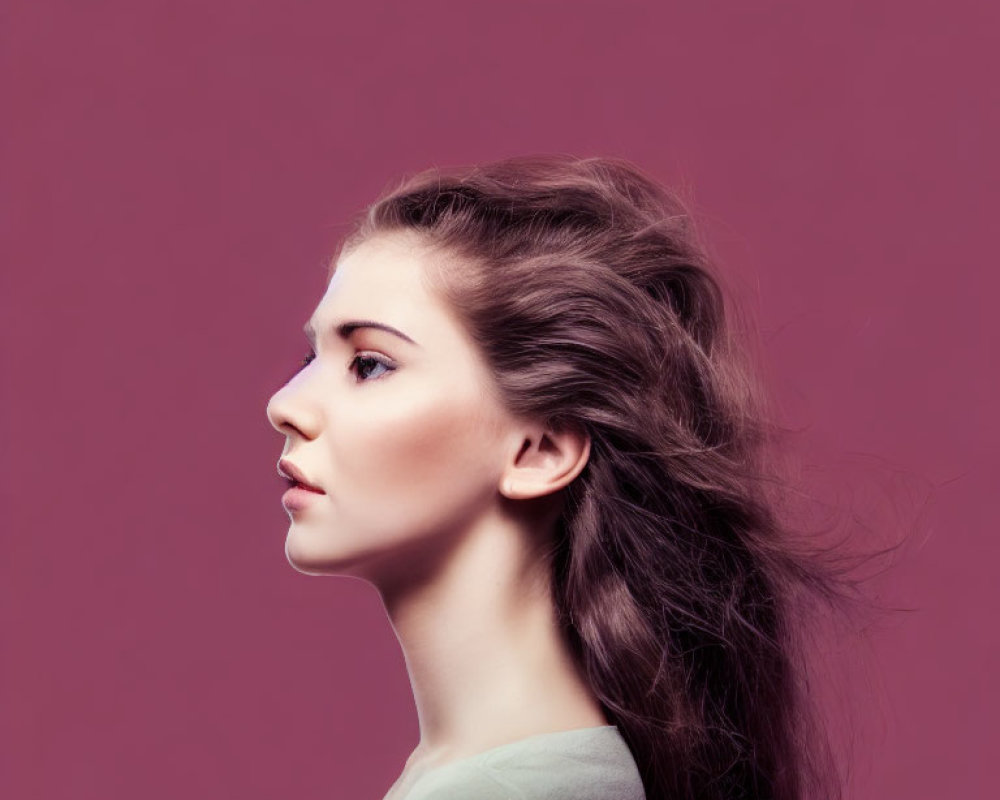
{"points": [[579, 764]]}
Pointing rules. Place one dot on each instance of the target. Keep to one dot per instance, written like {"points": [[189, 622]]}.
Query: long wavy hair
{"points": [[676, 581]]}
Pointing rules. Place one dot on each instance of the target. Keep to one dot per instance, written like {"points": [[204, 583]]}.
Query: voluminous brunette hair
{"points": [[676, 582]]}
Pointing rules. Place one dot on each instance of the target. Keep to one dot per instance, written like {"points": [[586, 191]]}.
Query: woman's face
{"points": [[404, 438]]}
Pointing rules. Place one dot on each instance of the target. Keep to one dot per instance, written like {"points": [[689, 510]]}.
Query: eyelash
{"points": [[358, 357]]}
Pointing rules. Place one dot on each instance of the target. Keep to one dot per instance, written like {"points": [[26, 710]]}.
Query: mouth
{"points": [[304, 486], [295, 478]]}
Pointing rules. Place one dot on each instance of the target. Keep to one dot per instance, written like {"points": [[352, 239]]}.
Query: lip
{"points": [[288, 470], [298, 498]]}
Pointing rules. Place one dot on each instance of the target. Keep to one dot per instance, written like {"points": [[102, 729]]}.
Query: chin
{"points": [[390, 553], [320, 558], [309, 558]]}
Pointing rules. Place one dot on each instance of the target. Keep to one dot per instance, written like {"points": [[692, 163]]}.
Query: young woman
{"points": [[526, 421]]}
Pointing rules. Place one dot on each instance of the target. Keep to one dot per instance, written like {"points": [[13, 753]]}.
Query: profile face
{"points": [[404, 438]]}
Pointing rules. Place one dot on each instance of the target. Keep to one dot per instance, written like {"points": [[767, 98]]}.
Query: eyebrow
{"points": [[345, 329]]}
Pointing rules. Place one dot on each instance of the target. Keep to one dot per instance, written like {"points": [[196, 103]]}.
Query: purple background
{"points": [[175, 176]]}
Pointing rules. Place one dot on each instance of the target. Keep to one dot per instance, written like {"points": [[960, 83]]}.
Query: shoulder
{"points": [[592, 764]]}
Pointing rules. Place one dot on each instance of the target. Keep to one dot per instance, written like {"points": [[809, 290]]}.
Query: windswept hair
{"points": [[584, 284]]}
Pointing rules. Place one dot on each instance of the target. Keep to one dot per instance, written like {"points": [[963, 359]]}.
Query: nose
{"points": [[288, 412]]}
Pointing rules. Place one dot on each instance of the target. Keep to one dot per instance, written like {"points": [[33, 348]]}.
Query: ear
{"points": [[542, 461]]}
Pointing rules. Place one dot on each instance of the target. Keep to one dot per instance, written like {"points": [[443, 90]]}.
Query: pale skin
{"points": [[438, 497]]}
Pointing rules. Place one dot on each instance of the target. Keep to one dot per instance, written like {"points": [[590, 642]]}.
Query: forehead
{"points": [[387, 278], [392, 258], [377, 271]]}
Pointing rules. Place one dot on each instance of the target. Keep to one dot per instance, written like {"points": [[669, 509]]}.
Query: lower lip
{"points": [[297, 498]]}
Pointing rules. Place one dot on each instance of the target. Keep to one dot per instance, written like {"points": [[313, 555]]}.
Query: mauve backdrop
{"points": [[175, 177]]}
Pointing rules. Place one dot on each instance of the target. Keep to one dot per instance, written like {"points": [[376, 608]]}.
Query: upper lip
{"points": [[287, 469]]}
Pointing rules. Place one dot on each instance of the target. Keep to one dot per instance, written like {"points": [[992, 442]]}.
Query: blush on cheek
{"points": [[439, 446], [427, 460]]}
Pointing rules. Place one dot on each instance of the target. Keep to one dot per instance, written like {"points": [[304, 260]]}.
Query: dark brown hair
{"points": [[585, 286]]}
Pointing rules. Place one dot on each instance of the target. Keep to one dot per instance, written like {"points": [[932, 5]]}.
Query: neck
{"points": [[486, 659]]}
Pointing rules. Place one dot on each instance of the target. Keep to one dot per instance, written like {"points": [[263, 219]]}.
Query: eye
{"points": [[364, 362]]}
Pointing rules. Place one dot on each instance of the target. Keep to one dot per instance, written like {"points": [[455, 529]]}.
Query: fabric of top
{"points": [[580, 764]]}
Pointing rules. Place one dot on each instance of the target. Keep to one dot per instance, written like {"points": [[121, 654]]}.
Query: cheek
{"points": [[425, 456]]}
